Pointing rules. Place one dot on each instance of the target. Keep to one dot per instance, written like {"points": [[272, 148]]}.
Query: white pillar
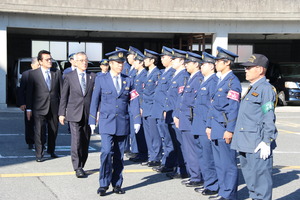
{"points": [[3, 65], [219, 39]]}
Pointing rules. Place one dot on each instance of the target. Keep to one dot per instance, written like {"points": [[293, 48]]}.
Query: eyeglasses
{"points": [[48, 59], [83, 60]]}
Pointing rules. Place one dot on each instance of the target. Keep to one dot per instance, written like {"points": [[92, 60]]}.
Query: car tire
{"points": [[281, 99]]}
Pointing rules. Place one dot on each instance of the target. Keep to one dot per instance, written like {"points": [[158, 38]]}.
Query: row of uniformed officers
{"points": [[185, 120]]}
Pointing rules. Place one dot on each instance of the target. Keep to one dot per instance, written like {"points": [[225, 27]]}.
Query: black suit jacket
{"points": [[38, 97], [21, 91], [73, 103]]}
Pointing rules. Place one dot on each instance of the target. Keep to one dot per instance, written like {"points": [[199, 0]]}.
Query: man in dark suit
{"points": [[74, 107], [42, 100], [29, 124], [113, 92]]}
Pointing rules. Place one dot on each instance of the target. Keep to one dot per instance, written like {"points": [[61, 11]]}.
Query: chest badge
{"points": [[254, 94], [220, 89]]}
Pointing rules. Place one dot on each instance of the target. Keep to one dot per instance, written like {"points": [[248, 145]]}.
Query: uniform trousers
{"points": [[153, 139], [178, 160], [207, 164], [167, 144], [39, 130], [111, 158], [257, 174], [80, 139], [226, 168], [193, 155]]}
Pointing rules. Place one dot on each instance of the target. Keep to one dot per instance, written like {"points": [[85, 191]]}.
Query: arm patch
{"points": [[133, 94], [267, 107], [233, 95]]}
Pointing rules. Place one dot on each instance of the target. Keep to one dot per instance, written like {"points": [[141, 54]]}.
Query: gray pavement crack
{"points": [[56, 197]]}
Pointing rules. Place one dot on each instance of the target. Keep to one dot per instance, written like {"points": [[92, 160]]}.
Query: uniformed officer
{"points": [[104, 66], [154, 143], [131, 148], [223, 115], [127, 66], [255, 131], [178, 82], [139, 138], [200, 109], [183, 117], [113, 93], [168, 159]]}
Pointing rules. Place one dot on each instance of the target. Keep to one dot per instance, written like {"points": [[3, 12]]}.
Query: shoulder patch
{"points": [[267, 107], [133, 94], [233, 95]]}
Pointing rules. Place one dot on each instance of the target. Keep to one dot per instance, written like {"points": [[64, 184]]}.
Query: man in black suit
{"points": [[42, 100], [74, 107], [29, 124]]}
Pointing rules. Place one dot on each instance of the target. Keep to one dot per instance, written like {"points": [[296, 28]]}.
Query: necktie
{"points": [[48, 79], [219, 81], [82, 82], [249, 88], [117, 84]]}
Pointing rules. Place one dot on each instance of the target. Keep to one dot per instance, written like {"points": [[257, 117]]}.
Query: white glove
{"points": [[265, 150], [136, 128], [93, 126]]}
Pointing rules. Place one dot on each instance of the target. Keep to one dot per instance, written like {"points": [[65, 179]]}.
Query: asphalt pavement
{"points": [[21, 177]]}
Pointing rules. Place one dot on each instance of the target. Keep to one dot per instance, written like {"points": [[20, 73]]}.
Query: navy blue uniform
{"points": [[163, 85], [190, 142], [176, 88], [152, 136], [256, 123], [223, 115], [200, 109], [113, 124]]}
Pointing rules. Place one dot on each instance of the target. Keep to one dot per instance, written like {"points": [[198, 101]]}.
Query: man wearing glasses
{"points": [[42, 100], [255, 131], [74, 107]]}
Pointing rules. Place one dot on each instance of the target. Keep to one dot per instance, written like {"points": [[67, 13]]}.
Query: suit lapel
{"points": [[123, 84], [76, 81], [42, 78]]}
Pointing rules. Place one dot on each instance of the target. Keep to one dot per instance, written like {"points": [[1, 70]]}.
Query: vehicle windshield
{"points": [[290, 70]]}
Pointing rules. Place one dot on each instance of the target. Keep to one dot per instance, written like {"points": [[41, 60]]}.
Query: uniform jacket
{"points": [[161, 92], [185, 101], [114, 116], [73, 103], [202, 104], [256, 118], [38, 96], [176, 88], [126, 68], [149, 90], [139, 83], [224, 109]]}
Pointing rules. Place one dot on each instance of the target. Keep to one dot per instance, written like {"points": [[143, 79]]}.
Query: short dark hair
{"points": [[40, 57]]}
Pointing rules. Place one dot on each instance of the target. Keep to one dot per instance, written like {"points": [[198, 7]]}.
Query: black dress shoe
{"points": [[164, 169], [185, 181], [131, 155], [145, 163], [118, 190], [80, 173], [207, 192], [102, 191], [30, 146], [153, 163], [138, 159], [39, 160], [53, 155], [199, 189], [173, 175], [193, 184]]}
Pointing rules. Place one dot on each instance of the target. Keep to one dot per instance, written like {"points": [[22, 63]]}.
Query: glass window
{"points": [[58, 50], [37, 46], [94, 51]]}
